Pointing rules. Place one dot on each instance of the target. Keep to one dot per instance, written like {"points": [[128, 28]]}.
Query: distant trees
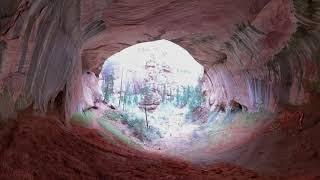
{"points": [[188, 96], [108, 87], [153, 90], [195, 98], [128, 96]]}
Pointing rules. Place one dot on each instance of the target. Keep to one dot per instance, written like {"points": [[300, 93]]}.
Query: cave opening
{"points": [[252, 112], [157, 97], [153, 88]]}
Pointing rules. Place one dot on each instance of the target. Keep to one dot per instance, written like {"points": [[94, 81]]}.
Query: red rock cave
{"points": [[257, 118]]}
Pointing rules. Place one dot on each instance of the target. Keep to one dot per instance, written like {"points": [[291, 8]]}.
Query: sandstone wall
{"points": [[261, 53]]}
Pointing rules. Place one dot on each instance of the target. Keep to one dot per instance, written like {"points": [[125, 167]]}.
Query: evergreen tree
{"points": [[135, 99], [196, 98], [108, 87], [126, 96], [178, 97], [185, 96]]}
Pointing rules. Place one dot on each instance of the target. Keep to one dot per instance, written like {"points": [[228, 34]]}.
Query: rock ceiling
{"points": [[202, 27], [254, 51]]}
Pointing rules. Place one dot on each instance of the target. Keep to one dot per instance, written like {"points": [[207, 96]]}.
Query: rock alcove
{"points": [[154, 94], [260, 60], [155, 87]]}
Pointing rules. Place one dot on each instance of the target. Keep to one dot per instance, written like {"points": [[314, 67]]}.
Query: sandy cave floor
{"points": [[41, 148], [35, 147]]}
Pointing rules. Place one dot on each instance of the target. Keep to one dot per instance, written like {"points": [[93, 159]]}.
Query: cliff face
{"points": [[261, 53], [40, 55]]}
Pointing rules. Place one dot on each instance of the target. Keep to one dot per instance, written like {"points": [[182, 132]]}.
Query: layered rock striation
{"points": [[261, 53]]}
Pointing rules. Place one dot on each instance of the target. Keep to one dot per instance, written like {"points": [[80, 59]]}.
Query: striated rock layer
{"points": [[263, 54], [41, 148], [259, 52], [42, 42]]}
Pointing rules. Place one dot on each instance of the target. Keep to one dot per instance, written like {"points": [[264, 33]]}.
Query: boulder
{"points": [[91, 90], [234, 106]]}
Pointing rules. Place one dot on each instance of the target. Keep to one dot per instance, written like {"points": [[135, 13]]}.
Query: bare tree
{"points": [[120, 88], [146, 114]]}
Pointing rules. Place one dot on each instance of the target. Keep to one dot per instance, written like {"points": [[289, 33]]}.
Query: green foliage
{"points": [[82, 118], [140, 129], [86, 119], [135, 123], [117, 133], [189, 96], [196, 98], [115, 115], [108, 87], [128, 97], [135, 99], [187, 93], [185, 96]]}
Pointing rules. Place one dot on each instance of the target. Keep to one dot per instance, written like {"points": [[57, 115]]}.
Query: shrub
{"points": [[83, 118], [243, 118], [117, 133], [135, 123], [115, 115]]}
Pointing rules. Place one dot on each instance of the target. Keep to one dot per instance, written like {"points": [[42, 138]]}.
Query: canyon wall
{"points": [[262, 53], [41, 43], [272, 60], [259, 53]]}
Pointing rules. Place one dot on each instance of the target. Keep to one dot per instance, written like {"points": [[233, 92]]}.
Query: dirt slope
{"points": [[289, 146], [41, 148]]}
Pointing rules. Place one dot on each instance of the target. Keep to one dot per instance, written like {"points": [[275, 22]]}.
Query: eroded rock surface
{"points": [[92, 93], [264, 54], [41, 148], [260, 53]]}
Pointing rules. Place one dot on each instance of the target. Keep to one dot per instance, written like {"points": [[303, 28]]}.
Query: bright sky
{"points": [[160, 51]]}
